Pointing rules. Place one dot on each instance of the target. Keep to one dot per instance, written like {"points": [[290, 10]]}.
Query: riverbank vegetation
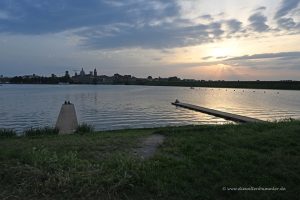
{"points": [[194, 162], [40, 131], [6, 133], [85, 128]]}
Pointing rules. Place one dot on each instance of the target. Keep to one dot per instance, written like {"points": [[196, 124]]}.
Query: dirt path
{"points": [[148, 146]]}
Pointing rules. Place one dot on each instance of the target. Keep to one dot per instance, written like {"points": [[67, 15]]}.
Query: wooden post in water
{"points": [[67, 120]]}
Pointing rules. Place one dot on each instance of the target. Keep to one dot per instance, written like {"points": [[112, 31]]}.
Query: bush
{"points": [[84, 128], [41, 131], [5, 133]]}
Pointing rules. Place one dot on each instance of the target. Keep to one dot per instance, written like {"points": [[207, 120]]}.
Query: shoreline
{"points": [[297, 87], [21, 134]]}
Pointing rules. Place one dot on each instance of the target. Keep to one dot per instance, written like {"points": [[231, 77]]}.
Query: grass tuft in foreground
{"points": [[85, 128], [41, 131], [6, 133]]}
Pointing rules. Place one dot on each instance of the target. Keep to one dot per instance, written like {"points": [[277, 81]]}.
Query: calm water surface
{"points": [[110, 107]]}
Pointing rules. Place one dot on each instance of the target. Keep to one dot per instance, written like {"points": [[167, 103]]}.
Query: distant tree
{"points": [[174, 78]]}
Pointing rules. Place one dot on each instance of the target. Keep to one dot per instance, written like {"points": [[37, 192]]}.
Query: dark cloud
{"points": [[109, 24], [285, 7], [207, 17], [261, 8], [221, 57], [166, 35], [234, 25], [46, 16], [258, 22], [287, 23], [207, 58], [283, 55], [284, 15]]}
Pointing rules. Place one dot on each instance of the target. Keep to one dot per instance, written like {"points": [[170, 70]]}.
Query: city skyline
{"points": [[228, 40]]}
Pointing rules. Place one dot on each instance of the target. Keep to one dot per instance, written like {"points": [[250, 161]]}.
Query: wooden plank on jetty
{"points": [[225, 115]]}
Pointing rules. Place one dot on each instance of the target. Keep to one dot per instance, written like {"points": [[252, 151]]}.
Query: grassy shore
{"points": [[194, 162]]}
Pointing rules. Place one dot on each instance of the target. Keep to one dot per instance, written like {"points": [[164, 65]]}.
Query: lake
{"points": [[110, 107]]}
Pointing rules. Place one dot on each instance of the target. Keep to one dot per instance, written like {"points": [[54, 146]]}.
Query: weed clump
{"points": [[7, 133], [84, 128], [41, 131]]}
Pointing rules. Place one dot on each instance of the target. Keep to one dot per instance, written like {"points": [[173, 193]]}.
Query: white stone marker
{"points": [[67, 120]]}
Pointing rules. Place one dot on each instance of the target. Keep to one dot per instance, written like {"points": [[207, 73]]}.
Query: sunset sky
{"points": [[201, 39]]}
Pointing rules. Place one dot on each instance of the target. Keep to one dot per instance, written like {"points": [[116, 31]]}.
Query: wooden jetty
{"points": [[225, 115]]}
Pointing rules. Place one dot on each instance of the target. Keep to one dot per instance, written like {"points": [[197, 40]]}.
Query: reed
{"points": [[6, 133], [85, 128], [40, 131]]}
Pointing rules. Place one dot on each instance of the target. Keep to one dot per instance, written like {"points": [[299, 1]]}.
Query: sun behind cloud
{"points": [[224, 49], [219, 52]]}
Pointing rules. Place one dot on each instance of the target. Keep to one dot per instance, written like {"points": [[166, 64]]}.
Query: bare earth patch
{"points": [[148, 146]]}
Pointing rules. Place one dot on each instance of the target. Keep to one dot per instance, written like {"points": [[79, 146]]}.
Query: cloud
{"points": [[111, 24], [114, 2], [265, 57], [287, 23], [285, 7], [282, 65], [46, 16], [261, 8], [266, 66], [221, 57], [258, 22], [284, 15], [207, 58], [234, 25], [285, 55], [4, 15], [166, 35], [207, 17]]}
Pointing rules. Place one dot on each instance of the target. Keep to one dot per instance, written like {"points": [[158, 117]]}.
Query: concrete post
{"points": [[67, 120]]}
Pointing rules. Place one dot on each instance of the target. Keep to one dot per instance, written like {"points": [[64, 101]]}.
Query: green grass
{"points": [[195, 162]]}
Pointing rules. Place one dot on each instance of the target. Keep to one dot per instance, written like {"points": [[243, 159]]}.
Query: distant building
{"points": [[30, 76], [67, 74], [174, 78], [82, 73], [91, 77]]}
